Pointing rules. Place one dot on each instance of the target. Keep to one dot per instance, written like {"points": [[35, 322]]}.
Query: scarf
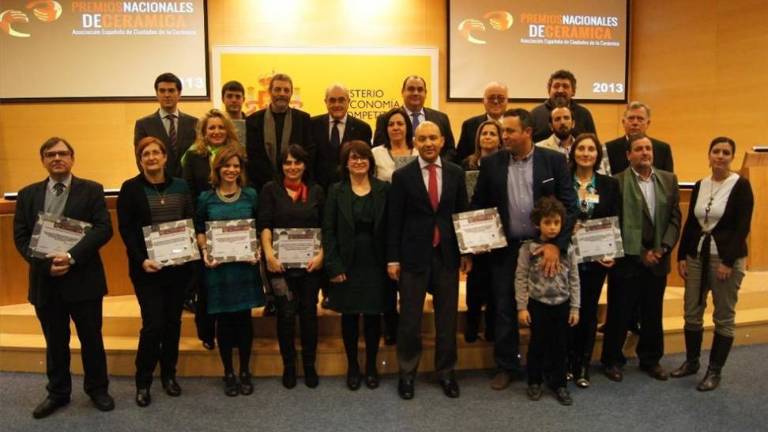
{"points": [[299, 188], [270, 135]]}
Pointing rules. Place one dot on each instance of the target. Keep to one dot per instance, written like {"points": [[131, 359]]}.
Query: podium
{"points": [[755, 168]]}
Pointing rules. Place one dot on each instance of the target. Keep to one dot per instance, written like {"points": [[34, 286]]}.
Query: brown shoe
{"points": [[656, 372], [613, 373], [501, 380]]}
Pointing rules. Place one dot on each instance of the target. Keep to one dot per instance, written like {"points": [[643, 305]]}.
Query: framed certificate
{"points": [[401, 161], [470, 178], [171, 243], [232, 240], [55, 234], [294, 247], [598, 239], [479, 231]]}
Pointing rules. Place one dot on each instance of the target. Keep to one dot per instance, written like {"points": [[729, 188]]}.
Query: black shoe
{"points": [[685, 369], [311, 379], [143, 398], [450, 387], [231, 388], [582, 377], [372, 378], [710, 381], [190, 305], [103, 401], [405, 388], [562, 396], [246, 386], [614, 373], [289, 377], [534, 392], [48, 407], [171, 387], [656, 372], [353, 379]]}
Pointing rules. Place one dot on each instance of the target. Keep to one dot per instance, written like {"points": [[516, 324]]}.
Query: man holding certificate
{"points": [[69, 282]]}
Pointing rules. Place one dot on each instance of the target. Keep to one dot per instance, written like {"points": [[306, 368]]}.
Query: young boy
{"points": [[548, 304]]}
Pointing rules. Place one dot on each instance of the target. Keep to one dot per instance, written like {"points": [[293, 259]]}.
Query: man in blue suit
{"points": [[512, 180]]}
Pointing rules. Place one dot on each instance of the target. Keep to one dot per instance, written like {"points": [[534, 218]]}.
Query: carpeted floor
{"points": [[637, 404]]}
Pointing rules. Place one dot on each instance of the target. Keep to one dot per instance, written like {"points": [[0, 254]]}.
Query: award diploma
{"points": [[232, 240], [479, 231], [55, 234], [598, 239], [171, 243], [294, 247]]}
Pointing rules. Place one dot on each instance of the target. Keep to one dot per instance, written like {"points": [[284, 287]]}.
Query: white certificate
{"points": [[598, 239], [294, 247], [171, 243], [232, 240], [479, 231], [55, 234]]}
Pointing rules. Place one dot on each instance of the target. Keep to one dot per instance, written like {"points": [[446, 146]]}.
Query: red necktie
{"points": [[432, 190]]}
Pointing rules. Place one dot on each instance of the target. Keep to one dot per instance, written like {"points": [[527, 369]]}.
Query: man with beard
{"points": [[561, 125], [495, 103], [561, 88]]}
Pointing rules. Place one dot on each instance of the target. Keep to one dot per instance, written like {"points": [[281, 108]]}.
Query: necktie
{"points": [[415, 121], [432, 190], [59, 188], [172, 130], [335, 139]]}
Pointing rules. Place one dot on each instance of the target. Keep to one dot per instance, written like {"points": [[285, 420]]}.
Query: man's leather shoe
{"points": [[143, 398], [48, 407], [171, 387], [614, 373], [450, 387], [687, 368], [103, 401], [562, 396], [501, 380], [534, 392], [405, 388], [656, 372]]}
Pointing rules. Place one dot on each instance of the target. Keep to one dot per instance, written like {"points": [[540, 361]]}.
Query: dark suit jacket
{"points": [[610, 199], [412, 220], [339, 226], [152, 125], [467, 138], [85, 280], [617, 155], [326, 159], [259, 168], [435, 116], [551, 177]]}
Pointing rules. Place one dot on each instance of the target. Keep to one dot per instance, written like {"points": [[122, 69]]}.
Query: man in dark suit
{"points": [[561, 88], [173, 127], [331, 130], [68, 283], [650, 226], [495, 98], [422, 252], [272, 129], [637, 118], [414, 92], [512, 180]]}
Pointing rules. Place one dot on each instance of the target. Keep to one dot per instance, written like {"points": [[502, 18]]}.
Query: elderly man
{"points": [[561, 88], [495, 103], [67, 284], [331, 130], [636, 119]]}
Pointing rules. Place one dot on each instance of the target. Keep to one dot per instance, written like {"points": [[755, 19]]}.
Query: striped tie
{"points": [[172, 130]]}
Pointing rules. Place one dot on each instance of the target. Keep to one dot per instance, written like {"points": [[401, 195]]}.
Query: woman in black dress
{"points": [[353, 241], [292, 202]]}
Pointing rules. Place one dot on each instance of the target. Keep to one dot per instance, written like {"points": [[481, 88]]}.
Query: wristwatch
{"points": [[71, 260]]}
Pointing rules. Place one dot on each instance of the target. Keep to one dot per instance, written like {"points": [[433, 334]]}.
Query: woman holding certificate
{"points": [[487, 142], [598, 198], [290, 211], [712, 257], [233, 287], [150, 198], [354, 236]]}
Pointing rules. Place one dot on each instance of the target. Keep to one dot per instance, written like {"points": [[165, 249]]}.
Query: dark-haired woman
{"points": [[598, 198], [293, 202], [711, 257]]}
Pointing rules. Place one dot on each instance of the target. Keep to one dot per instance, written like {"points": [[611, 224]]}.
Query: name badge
{"points": [[592, 198]]}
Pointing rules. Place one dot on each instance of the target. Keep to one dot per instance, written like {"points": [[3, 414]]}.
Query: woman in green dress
{"points": [[234, 288], [353, 241]]}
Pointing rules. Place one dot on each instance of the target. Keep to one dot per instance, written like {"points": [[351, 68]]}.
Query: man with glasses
{"points": [[495, 102], [67, 283]]}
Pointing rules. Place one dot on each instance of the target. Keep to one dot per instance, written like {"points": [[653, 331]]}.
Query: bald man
{"points": [[495, 98]]}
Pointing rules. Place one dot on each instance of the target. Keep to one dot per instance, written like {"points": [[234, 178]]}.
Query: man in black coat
{"points": [[67, 283], [636, 119], [495, 98], [331, 130], [271, 130], [561, 88]]}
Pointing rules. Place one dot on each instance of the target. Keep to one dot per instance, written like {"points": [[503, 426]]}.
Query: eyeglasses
{"points": [[496, 98], [333, 100], [357, 158], [61, 153]]}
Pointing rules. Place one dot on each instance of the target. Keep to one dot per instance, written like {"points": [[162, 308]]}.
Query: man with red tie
{"points": [[422, 252]]}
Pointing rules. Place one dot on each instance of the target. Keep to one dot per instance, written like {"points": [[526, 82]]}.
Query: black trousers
{"points": [[204, 322], [161, 307], [234, 330], [548, 347], [413, 289], [506, 348], [54, 320], [303, 287], [635, 286], [592, 277], [479, 295]]}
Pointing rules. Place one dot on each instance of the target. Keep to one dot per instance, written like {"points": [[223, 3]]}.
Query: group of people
{"points": [[384, 203]]}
